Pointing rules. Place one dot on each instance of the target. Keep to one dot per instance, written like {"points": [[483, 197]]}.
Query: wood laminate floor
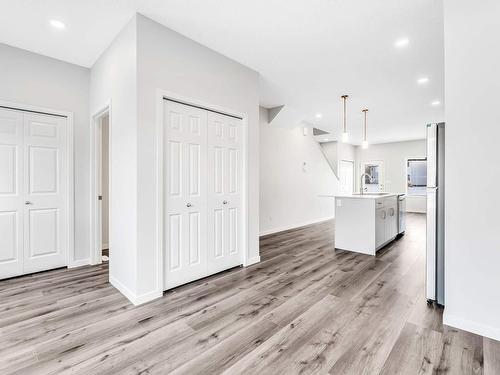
{"points": [[305, 309]]}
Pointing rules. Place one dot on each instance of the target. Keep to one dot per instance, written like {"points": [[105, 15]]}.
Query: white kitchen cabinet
{"points": [[386, 223], [391, 222], [380, 227], [365, 223]]}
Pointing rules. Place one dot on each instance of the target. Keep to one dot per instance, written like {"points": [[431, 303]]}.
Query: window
{"points": [[373, 180], [416, 171]]}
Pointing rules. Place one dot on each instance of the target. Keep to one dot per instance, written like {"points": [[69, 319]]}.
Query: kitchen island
{"points": [[365, 222]]}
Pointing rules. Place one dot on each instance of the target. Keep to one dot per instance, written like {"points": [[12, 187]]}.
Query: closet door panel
{"points": [[219, 240], [45, 180], [11, 193], [185, 212], [224, 192]]}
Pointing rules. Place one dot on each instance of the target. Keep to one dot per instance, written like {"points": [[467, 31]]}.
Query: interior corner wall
{"points": [[346, 151], [177, 64], [472, 86], [293, 173], [32, 79], [114, 78]]}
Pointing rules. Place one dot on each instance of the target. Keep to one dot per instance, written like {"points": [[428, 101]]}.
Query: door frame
{"points": [[162, 95], [95, 180], [70, 201], [353, 163]]}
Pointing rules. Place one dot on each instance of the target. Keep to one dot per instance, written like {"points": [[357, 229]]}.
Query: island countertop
{"points": [[361, 196]]}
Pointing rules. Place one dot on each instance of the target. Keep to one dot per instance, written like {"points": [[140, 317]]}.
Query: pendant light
{"points": [[364, 144], [345, 135]]}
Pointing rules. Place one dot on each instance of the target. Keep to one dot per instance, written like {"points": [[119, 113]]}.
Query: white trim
{"points": [[471, 326], [294, 226], [252, 261], [147, 297], [161, 95], [132, 297], [95, 221], [79, 263], [70, 201]]}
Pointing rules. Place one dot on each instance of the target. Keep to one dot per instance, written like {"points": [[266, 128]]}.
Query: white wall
{"points": [[172, 62], [145, 57], [336, 151], [331, 152], [346, 151], [394, 156], [288, 190], [29, 78], [472, 86], [113, 77]]}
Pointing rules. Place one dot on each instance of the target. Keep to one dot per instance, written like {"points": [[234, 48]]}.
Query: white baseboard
{"points": [[79, 263], [132, 297], [147, 297], [470, 326], [293, 226], [251, 261]]}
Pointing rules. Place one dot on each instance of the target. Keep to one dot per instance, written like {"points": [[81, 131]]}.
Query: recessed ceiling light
{"points": [[57, 24], [422, 81], [400, 43], [319, 115], [436, 103]]}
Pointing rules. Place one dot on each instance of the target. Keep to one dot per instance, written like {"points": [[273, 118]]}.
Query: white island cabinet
{"points": [[365, 223]]}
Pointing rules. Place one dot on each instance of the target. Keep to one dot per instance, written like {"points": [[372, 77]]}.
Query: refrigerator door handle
{"points": [[431, 244]]}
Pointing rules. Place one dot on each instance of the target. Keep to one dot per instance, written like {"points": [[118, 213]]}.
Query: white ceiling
{"points": [[308, 52]]}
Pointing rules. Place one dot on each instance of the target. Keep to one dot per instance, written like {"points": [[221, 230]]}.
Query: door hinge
{"points": [[99, 197]]}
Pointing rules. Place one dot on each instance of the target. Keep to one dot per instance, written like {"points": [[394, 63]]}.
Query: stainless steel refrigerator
{"points": [[435, 214]]}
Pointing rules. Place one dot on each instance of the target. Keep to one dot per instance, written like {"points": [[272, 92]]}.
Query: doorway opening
{"points": [[103, 197], [101, 130]]}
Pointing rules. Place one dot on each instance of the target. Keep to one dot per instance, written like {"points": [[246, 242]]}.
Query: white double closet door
{"points": [[33, 192], [203, 199]]}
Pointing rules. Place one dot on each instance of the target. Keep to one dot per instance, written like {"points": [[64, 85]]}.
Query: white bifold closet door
{"points": [[224, 192], [33, 192], [185, 218], [202, 187]]}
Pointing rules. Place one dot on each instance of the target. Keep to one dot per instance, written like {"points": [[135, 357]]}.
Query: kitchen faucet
{"points": [[361, 182]]}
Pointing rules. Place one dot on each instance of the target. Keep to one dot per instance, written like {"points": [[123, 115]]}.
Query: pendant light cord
{"points": [[344, 97], [364, 136]]}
